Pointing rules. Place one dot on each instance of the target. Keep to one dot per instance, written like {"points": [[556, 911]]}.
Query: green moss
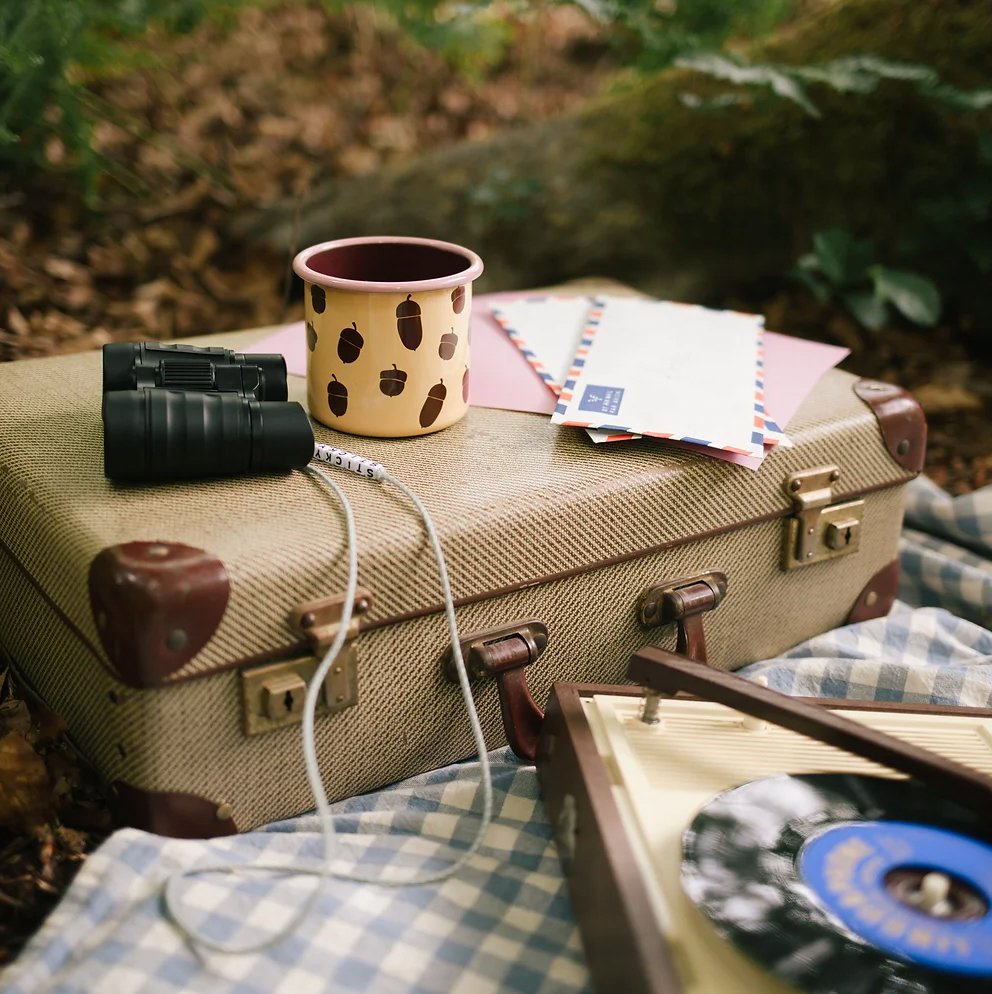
{"points": [[702, 202]]}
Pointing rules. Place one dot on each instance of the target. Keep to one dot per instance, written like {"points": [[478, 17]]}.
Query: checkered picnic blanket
{"points": [[504, 923]]}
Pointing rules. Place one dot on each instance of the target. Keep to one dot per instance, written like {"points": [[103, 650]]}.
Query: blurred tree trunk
{"points": [[692, 203]]}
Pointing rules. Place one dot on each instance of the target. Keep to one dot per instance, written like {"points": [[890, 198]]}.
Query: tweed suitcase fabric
{"points": [[535, 523], [506, 923]]}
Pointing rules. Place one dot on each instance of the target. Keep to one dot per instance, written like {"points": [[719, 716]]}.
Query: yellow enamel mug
{"points": [[387, 323]]}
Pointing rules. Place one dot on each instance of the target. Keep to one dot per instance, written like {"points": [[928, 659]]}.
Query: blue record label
{"points": [[839, 883], [848, 867]]}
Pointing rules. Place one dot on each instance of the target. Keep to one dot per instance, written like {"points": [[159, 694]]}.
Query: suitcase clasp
{"points": [[819, 529], [320, 620], [272, 695]]}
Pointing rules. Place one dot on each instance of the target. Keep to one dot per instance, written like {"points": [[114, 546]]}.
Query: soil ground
{"points": [[287, 98]]}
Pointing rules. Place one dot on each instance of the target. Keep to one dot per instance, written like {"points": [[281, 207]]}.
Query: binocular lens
{"points": [[130, 365], [168, 434]]}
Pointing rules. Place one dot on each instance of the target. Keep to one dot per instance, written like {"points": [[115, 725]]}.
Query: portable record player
{"points": [[739, 841]]}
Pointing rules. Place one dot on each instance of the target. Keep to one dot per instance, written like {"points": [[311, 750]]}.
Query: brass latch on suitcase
{"points": [[819, 529], [272, 696]]}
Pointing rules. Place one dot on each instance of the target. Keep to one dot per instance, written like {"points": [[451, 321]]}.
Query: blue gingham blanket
{"points": [[504, 922]]}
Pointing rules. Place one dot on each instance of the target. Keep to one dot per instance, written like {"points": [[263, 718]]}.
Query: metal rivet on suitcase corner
{"points": [[224, 812], [903, 447], [835, 476], [795, 485], [176, 640], [871, 598], [158, 551]]}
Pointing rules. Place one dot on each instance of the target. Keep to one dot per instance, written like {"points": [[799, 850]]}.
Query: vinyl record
{"points": [[844, 884]]}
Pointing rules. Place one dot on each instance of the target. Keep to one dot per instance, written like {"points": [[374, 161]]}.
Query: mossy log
{"points": [[692, 203]]}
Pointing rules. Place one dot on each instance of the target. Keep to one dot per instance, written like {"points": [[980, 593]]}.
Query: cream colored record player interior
{"points": [[662, 775]]}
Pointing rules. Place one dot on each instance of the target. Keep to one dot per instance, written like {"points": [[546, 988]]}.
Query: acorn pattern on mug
{"points": [[413, 392], [350, 343], [392, 382], [337, 396], [431, 410], [448, 344], [409, 324]]}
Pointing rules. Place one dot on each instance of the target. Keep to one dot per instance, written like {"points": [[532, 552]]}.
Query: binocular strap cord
{"points": [[172, 894]]}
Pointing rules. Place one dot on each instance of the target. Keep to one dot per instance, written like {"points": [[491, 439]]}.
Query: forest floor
{"points": [[234, 117]]}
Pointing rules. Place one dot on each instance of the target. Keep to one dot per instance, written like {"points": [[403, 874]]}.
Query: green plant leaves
{"points": [[806, 273], [650, 34], [915, 297], [850, 74], [868, 310], [779, 80], [840, 256], [841, 267]]}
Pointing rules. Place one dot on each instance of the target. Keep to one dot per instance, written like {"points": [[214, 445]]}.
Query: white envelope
{"points": [[547, 330], [670, 371]]}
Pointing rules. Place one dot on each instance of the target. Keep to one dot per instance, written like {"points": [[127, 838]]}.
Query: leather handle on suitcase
{"points": [[522, 718], [683, 602], [504, 653]]}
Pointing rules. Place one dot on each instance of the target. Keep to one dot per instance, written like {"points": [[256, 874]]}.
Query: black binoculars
{"points": [[178, 412]]}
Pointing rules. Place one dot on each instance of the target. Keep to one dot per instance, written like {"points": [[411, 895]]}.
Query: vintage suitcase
{"points": [[166, 623], [685, 848]]}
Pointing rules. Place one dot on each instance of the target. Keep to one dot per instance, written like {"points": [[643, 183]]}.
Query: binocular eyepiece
{"points": [[136, 365], [179, 412]]}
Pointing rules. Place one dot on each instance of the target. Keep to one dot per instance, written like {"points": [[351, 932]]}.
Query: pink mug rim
{"points": [[472, 271]]}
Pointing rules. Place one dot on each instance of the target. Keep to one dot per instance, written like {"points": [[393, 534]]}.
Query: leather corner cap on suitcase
{"points": [[174, 626]]}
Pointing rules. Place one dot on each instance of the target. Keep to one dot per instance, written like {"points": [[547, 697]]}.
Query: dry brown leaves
{"points": [[53, 810], [230, 118]]}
